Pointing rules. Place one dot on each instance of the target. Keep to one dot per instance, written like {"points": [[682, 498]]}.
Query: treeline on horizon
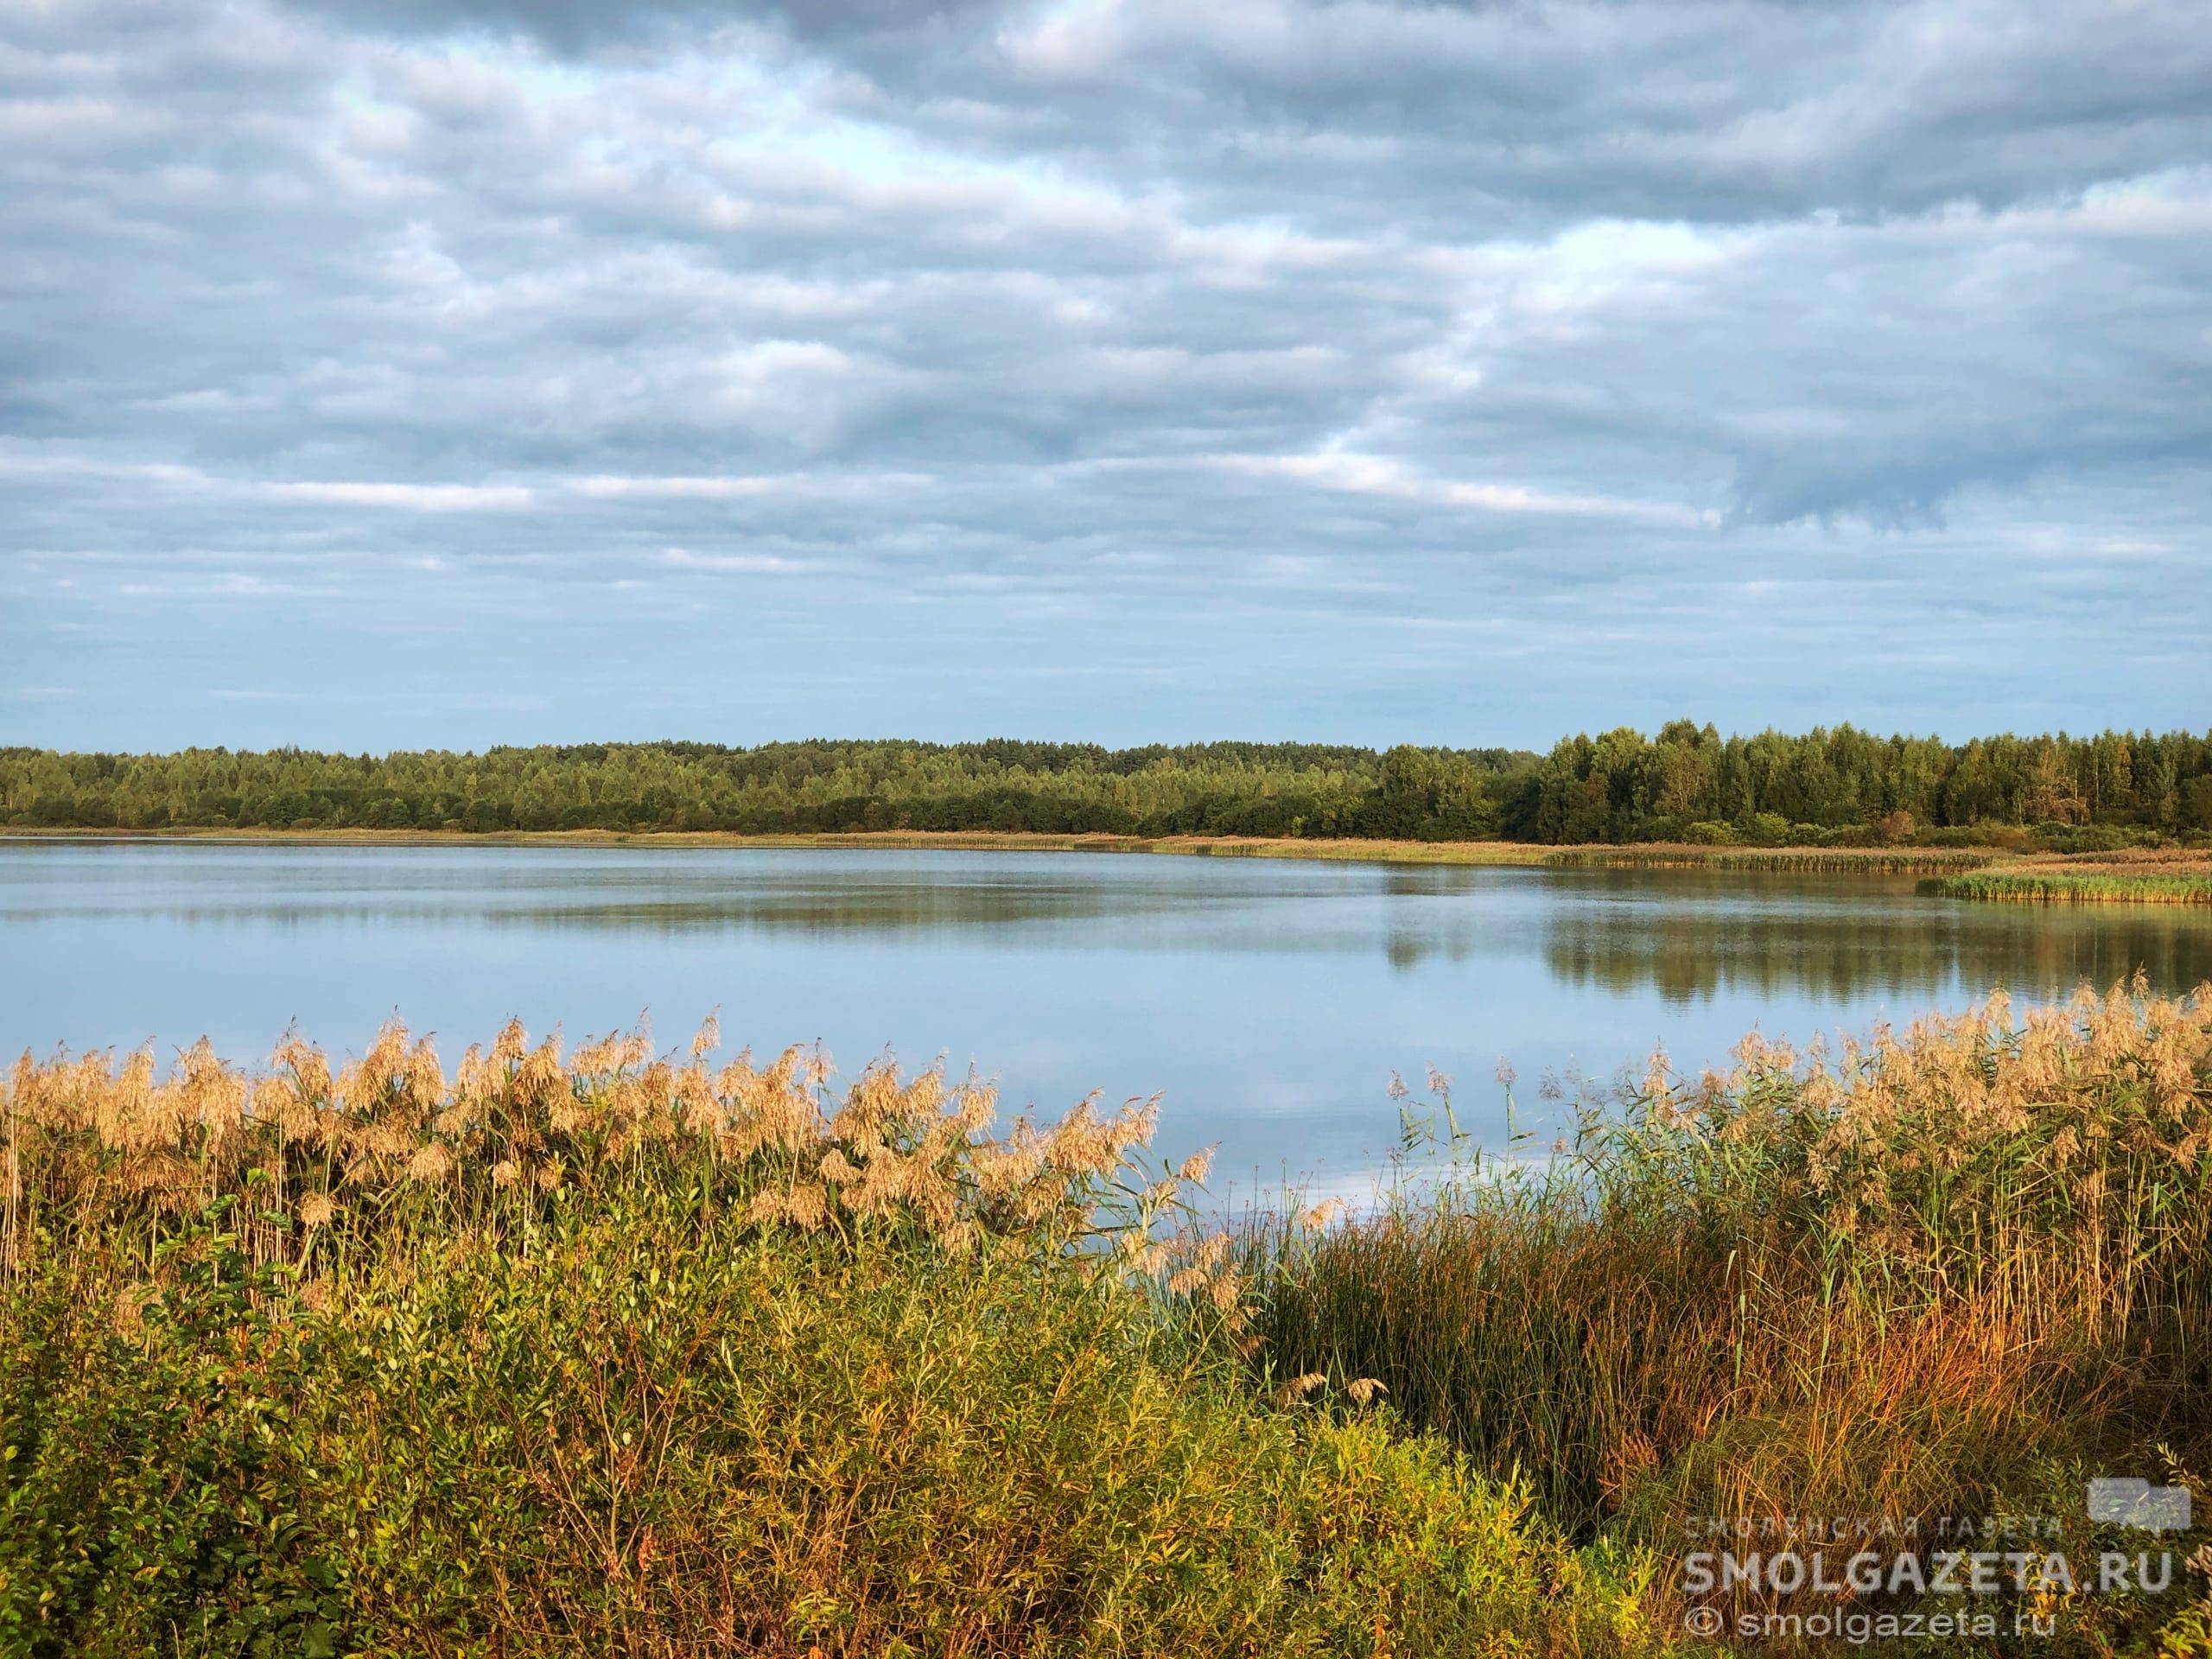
{"points": [[1831, 786]]}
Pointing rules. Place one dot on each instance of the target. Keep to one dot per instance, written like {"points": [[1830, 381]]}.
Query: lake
{"points": [[1269, 1000]]}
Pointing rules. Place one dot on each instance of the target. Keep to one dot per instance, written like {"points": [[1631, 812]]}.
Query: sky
{"points": [[422, 374]]}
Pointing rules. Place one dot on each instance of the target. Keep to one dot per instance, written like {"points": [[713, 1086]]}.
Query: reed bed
{"points": [[1942, 1273], [2049, 886], [1870, 860], [2185, 861], [622, 1353], [332, 1157]]}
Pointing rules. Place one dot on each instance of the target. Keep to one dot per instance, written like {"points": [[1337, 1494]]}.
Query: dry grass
{"points": [[2176, 861], [1341, 848], [1942, 1272], [390, 1140]]}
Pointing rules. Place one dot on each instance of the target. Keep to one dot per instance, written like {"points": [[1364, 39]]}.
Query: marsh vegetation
{"points": [[622, 1351]]}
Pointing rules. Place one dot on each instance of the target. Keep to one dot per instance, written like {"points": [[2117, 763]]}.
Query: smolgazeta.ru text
{"points": [[1943, 1573]]}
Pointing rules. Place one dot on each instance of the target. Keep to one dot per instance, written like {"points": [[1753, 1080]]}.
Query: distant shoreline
{"points": [[1389, 852], [1970, 873], [1477, 854]]}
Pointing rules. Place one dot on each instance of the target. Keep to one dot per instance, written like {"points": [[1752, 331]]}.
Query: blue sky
{"points": [[419, 374]]}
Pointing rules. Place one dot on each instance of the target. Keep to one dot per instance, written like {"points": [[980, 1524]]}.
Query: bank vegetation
{"points": [[626, 1351]]}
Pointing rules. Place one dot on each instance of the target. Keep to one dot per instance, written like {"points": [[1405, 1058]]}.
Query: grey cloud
{"points": [[1456, 115], [1460, 113], [579, 26]]}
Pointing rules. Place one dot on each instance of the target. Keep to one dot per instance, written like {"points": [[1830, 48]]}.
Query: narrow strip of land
{"points": [[1360, 849], [2168, 876]]}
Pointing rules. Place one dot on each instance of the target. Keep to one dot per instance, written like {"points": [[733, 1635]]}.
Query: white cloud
{"points": [[1382, 475], [728, 564], [413, 498]]}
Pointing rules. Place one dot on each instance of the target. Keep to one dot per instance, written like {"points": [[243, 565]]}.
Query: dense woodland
{"points": [[1829, 786]]}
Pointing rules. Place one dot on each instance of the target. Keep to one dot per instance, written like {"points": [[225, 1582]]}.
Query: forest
{"points": [[1833, 785]]}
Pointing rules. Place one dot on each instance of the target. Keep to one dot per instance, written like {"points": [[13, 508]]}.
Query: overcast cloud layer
{"points": [[382, 374]]}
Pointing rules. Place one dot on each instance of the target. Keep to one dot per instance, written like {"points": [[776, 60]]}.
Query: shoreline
{"points": [[1339, 849], [1989, 874], [1388, 852]]}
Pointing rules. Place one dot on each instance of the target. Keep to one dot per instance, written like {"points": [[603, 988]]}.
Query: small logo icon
{"points": [[2138, 1504]]}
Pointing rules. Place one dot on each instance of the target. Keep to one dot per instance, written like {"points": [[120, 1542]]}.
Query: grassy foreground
{"points": [[1955, 1272], [614, 1353], [628, 1355]]}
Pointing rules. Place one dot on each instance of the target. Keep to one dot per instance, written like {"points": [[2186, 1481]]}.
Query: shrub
{"points": [[150, 1503], [1765, 829]]}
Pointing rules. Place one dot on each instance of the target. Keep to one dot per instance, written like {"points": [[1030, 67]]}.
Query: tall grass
{"points": [[1942, 1272], [627, 1354], [2063, 887]]}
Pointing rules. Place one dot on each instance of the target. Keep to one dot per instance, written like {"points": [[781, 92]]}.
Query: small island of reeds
{"points": [[2047, 885]]}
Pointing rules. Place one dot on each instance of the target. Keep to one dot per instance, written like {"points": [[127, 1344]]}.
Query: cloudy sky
{"points": [[381, 374]]}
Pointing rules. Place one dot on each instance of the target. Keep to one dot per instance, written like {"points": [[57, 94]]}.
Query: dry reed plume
{"points": [[391, 1142]]}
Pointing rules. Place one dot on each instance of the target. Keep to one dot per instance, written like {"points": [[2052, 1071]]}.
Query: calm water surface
{"points": [[1269, 1000]]}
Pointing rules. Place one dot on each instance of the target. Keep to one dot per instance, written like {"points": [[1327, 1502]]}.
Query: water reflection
{"points": [[1843, 946], [1689, 936], [1270, 1000]]}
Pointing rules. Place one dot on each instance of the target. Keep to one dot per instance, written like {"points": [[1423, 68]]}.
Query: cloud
{"points": [[414, 497], [580, 26], [1232, 343], [751, 564], [1376, 475]]}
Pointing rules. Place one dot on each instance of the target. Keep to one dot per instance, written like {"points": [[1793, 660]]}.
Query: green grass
{"points": [[2073, 888]]}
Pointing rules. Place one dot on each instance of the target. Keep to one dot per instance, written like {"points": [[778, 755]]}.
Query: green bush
{"points": [[910, 1451], [150, 1501], [635, 1436]]}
